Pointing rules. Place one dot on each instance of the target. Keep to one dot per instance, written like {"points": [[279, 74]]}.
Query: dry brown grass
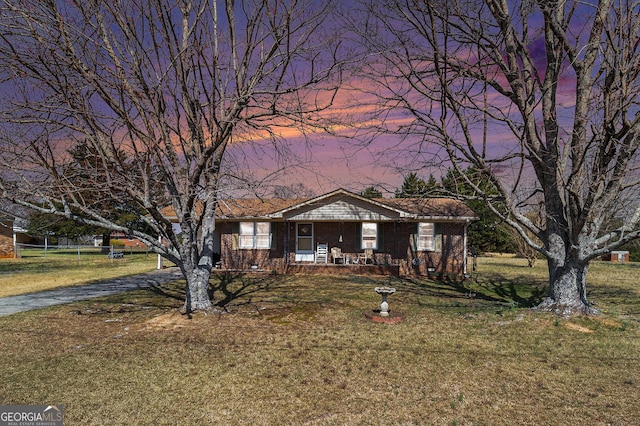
{"points": [[299, 350], [28, 275]]}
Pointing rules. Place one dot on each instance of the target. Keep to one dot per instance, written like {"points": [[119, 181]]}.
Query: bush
{"points": [[117, 244]]}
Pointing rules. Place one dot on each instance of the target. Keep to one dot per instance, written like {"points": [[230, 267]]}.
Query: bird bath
{"points": [[384, 306]]}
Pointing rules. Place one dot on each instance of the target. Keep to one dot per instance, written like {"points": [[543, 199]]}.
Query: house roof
{"points": [[342, 205], [431, 207]]}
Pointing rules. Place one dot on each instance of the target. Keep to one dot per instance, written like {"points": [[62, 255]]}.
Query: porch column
{"points": [[287, 236], [159, 257]]}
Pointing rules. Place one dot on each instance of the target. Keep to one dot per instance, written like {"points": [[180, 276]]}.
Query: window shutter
{"points": [[235, 238], [380, 236], [358, 236], [437, 236]]}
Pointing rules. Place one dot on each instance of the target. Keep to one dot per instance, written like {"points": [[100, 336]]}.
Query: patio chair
{"points": [[336, 255], [365, 257], [322, 253]]}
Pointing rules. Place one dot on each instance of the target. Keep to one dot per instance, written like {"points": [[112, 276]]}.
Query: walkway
{"points": [[26, 302]]}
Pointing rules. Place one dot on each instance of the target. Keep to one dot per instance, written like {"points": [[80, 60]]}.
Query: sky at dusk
{"points": [[323, 162]]}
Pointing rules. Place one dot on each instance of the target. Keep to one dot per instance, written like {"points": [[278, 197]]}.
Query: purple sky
{"points": [[324, 163]]}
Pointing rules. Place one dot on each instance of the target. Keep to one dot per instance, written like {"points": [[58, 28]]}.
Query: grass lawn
{"points": [[298, 350], [64, 268]]}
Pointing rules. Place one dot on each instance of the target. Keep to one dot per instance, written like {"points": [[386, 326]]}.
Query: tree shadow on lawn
{"points": [[125, 302], [240, 289], [236, 286], [521, 292], [232, 286], [614, 298], [495, 290], [482, 291]]}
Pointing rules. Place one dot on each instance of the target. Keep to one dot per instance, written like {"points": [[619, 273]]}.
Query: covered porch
{"points": [[341, 269]]}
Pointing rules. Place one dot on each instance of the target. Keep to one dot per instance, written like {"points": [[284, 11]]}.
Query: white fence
{"points": [[78, 251]]}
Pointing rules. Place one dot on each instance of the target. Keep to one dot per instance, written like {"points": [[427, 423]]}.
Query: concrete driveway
{"points": [[26, 302]]}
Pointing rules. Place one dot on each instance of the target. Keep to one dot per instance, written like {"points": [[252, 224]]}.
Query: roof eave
{"points": [[442, 218], [280, 213]]}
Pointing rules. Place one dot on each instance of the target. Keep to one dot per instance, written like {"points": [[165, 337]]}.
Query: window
{"points": [[426, 232], [305, 237], [370, 235], [255, 235]]}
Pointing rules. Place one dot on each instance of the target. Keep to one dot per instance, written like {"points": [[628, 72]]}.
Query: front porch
{"points": [[341, 269]]}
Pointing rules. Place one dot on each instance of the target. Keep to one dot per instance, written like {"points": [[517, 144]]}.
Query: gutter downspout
{"points": [[464, 263]]}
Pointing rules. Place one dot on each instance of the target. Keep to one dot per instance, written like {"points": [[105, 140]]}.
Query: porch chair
{"points": [[336, 255], [322, 253], [366, 256]]}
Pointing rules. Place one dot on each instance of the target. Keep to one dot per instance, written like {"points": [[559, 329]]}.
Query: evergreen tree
{"points": [[41, 224], [412, 187], [434, 188], [488, 234], [371, 192]]}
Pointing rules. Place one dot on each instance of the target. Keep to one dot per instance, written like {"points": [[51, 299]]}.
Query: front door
{"points": [[304, 242]]}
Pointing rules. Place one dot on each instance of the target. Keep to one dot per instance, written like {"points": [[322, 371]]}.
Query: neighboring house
{"points": [[6, 237], [405, 236], [125, 240], [12, 231]]}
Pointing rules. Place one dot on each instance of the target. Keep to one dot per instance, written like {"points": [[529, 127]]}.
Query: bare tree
{"points": [[158, 90], [521, 245], [540, 96]]}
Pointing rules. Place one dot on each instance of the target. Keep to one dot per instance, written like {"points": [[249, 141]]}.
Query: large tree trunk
{"points": [[197, 290], [106, 242], [197, 256], [567, 288]]}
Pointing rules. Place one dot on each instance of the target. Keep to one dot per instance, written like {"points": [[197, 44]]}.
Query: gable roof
{"points": [[332, 199], [342, 205]]}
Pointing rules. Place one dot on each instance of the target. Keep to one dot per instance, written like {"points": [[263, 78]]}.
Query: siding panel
{"points": [[343, 210]]}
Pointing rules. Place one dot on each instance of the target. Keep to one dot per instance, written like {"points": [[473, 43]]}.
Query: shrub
{"points": [[117, 244]]}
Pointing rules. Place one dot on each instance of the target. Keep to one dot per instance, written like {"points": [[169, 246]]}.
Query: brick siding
{"points": [[6, 242], [395, 247]]}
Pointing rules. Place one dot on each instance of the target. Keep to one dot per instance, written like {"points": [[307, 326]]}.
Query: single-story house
{"points": [[12, 232], [344, 232], [6, 237], [124, 239]]}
